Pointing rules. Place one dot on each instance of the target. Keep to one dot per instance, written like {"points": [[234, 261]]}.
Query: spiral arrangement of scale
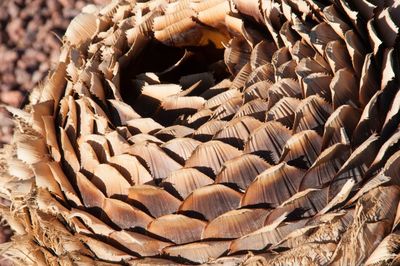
{"points": [[213, 132]]}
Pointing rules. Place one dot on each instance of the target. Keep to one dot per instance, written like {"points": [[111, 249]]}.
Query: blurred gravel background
{"points": [[30, 33]]}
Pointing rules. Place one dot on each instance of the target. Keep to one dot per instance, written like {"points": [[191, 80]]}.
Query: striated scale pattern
{"points": [[212, 132]]}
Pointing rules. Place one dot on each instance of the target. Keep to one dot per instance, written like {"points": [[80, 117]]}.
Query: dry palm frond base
{"points": [[213, 132]]}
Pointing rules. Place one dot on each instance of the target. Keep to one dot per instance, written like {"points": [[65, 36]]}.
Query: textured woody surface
{"points": [[213, 132]]}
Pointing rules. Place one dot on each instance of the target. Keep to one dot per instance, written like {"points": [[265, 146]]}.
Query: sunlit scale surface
{"points": [[213, 132]]}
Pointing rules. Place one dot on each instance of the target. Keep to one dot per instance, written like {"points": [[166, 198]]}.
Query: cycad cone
{"points": [[197, 131]]}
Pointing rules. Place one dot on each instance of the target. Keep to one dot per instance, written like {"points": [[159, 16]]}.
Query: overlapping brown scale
{"points": [[38, 111], [397, 219], [151, 261], [117, 185], [178, 228], [171, 18], [66, 145], [273, 186], [86, 118], [184, 181], [336, 20], [143, 125], [234, 24], [325, 167], [268, 141], [155, 201], [390, 66], [356, 50], [303, 204], [144, 137], [174, 106], [303, 29], [125, 215], [321, 35], [262, 54], [286, 70], [283, 88], [121, 112], [251, 8], [257, 91], [283, 111], [211, 201], [261, 73], [311, 113], [51, 139], [19, 169], [370, 121], [317, 84], [241, 171], [152, 95], [154, 158], [388, 148], [337, 55], [64, 183], [90, 194], [237, 131], [180, 149], [99, 145], [344, 88], [356, 165], [221, 98], [302, 50], [302, 149], [208, 157], [199, 118], [227, 110], [199, 252], [374, 38], [218, 88], [170, 35], [288, 35], [208, 130], [345, 117], [255, 108], [213, 15], [235, 223], [130, 167], [281, 56], [307, 66], [172, 132], [265, 236], [138, 243], [392, 115], [44, 179], [387, 26], [273, 22], [104, 251], [369, 79], [241, 77], [237, 54]]}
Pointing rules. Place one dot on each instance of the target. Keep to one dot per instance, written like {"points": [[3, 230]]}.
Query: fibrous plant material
{"points": [[218, 132]]}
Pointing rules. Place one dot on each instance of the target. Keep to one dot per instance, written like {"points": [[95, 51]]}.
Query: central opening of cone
{"points": [[152, 82]]}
